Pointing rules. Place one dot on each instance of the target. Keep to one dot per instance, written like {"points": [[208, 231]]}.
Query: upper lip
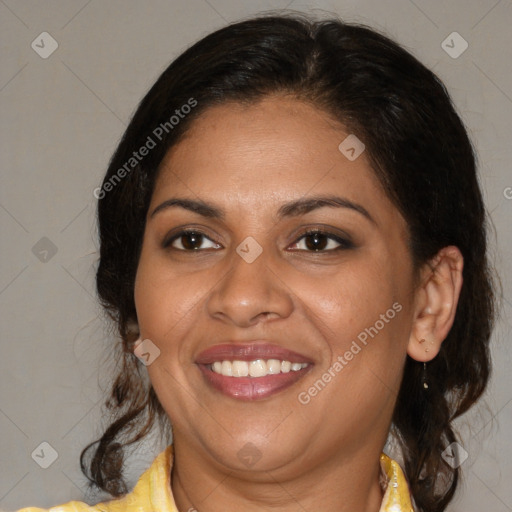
{"points": [[248, 352]]}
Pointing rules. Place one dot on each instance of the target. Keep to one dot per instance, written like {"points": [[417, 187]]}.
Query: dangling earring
{"points": [[425, 384]]}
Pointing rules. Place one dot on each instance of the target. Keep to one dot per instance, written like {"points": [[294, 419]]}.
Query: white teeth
{"points": [[240, 368], [226, 368], [273, 366], [255, 368]]}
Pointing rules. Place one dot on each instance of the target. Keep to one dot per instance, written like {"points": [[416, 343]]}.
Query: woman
{"points": [[293, 245]]}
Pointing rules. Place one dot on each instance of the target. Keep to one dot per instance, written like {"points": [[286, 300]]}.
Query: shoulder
{"points": [[72, 506], [128, 503], [151, 489]]}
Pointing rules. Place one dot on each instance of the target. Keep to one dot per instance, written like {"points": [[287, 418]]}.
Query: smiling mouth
{"points": [[251, 371], [255, 368], [247, 387]]}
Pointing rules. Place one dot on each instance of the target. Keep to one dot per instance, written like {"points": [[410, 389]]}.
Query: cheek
{"points": [[164, 301], [361, 314], [349, 300]]}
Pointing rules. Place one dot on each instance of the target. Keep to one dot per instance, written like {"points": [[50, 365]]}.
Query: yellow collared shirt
{"points": [[153, 494]]}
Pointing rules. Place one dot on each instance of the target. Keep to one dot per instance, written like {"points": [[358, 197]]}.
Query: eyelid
{"points": [[176, 234], [344, 240]]}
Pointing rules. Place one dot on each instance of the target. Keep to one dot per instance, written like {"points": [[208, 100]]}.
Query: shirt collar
{"points": [[153, 485], [396, 491]]}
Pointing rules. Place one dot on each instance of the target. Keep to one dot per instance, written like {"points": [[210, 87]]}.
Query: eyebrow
{"points": [[291, 209]]}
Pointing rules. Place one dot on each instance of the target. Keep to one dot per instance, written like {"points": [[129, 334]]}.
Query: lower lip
{"points": [[251, 388]]}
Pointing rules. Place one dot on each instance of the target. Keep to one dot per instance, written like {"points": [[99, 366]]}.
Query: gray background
{"points": [[61, 120]]}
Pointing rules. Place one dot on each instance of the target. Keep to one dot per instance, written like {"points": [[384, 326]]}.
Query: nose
{"points": [[250, 293]]}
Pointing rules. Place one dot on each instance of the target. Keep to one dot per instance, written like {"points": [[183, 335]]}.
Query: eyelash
{"points": [[343, 242]]}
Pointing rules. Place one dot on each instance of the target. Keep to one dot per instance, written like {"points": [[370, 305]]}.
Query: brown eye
{"points": [[191, 241], [319, 241], [316, 242]]}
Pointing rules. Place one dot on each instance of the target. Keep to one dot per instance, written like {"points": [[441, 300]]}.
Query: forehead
{"points": [[271, 151]]}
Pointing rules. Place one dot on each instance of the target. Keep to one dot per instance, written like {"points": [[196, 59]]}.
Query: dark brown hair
{"points": [[419, 150]]}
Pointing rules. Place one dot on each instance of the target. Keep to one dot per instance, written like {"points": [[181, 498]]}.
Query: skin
{"points": [[324, 455]]}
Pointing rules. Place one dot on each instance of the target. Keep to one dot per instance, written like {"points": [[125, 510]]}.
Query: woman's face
{"points": [[251, 285]]}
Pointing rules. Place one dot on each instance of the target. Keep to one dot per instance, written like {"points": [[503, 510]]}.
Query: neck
{"points": [[339, 485]]}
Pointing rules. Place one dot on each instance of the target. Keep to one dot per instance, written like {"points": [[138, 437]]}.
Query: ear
{"points": [[436, 300]]}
